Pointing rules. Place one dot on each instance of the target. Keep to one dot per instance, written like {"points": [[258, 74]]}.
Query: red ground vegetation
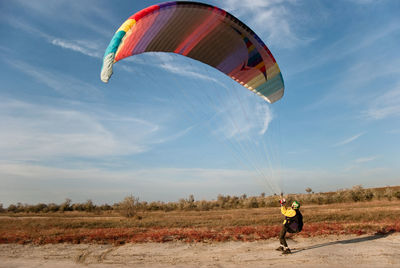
{"points": [[192, 234]]}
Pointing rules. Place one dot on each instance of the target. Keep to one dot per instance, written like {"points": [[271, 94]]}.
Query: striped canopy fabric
{"points": [[204, 33]]}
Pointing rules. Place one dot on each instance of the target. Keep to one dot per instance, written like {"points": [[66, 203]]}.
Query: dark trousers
{"points": [[282, 236]]}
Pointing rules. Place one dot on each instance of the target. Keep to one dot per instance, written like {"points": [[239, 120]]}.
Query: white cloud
{"points": [[37, 132], [82, 46], [241, 117], [174, 136], [364, 2], [88, 15], [340, 178], [365, 159], [28, 183], [64, 84], [172, 63], [40, 183], [272, 17], [185, 71], [385, 105], [394, 131], [348, 140], [350, 45], [367, 84], [357, 164], [240, 114], [91, 48]]}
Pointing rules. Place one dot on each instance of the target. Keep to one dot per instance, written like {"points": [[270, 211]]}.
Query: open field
{"points": [[364, 234], [198, 226]]}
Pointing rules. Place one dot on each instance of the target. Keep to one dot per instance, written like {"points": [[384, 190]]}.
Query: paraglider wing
{"points": [[204, 33]]}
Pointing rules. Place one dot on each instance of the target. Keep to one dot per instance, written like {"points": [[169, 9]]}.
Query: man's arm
{"points": [[288, 212]]}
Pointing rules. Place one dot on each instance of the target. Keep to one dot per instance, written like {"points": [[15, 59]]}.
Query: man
{"points": [[293, 223]]}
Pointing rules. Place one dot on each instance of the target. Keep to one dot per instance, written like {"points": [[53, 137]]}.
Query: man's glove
{"points": [[282, 201]]}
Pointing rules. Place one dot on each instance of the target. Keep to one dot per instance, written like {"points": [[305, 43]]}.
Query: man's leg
{"points": [[285, 248], [282, 239], [282, 236]]}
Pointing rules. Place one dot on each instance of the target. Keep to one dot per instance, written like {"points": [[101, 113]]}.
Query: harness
{"points": [[294, 224]]}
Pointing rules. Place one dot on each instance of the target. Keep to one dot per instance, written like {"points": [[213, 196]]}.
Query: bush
{"points": [[12, 208], [368, 195], [357, 193], [128, 207], [389, 193], [252, 203], [66, 206], [89, 206], [397, 194]]}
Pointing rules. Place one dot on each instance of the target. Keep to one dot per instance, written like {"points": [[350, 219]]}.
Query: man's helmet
{"points": [[295, 205]]}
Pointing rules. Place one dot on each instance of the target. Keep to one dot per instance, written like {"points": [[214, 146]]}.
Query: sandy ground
{"points": [[331, 251]]}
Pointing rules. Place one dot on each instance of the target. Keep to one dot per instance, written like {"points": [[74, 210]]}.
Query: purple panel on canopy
{"points": [[152, 31], [234, 60]]}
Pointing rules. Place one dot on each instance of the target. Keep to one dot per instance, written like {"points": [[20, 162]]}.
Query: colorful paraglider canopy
{"points": [[204, 33]]}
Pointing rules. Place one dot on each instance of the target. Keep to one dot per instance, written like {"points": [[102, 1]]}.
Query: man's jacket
{"points": [[293, 219]]}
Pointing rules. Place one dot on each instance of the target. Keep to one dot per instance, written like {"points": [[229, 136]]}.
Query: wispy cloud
{"points": [[89, 15], [237, 112], [86, 47], [357, 164], [332, 180], [33, 132], [349, 45], [348, 140], [64, 84], [369, 82], [273, 18], [113, 185], [364, 2], [394, 131], [298, 152], [365, 159], [174, 136], [385, 105], [184, 71], [172, 63], [242, 118]]}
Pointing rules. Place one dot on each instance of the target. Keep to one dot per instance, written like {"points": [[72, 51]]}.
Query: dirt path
{"points": [[332, 251]]}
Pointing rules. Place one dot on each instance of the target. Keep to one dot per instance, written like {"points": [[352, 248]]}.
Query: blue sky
{"points": [[165, 127]]}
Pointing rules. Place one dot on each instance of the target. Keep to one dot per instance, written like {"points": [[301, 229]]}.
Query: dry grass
{"points": [[216, 225]]}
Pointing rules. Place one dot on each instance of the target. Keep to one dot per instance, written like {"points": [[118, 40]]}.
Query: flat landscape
{"points": [[353, 233], [198, 226]]}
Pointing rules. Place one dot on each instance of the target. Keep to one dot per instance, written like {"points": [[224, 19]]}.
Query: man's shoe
{"points": [[286, 251], [280, 248]]}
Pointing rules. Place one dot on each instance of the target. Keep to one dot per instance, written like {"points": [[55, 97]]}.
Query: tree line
{"points": [[131, 205]]}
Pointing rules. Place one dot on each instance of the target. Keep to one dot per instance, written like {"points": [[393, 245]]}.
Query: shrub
{"points": [[89, 206], [368, 195], [357, 193], [66, 206], [41, 207], [389, 193], [12, 208], [128, 207], [252, 203]]}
